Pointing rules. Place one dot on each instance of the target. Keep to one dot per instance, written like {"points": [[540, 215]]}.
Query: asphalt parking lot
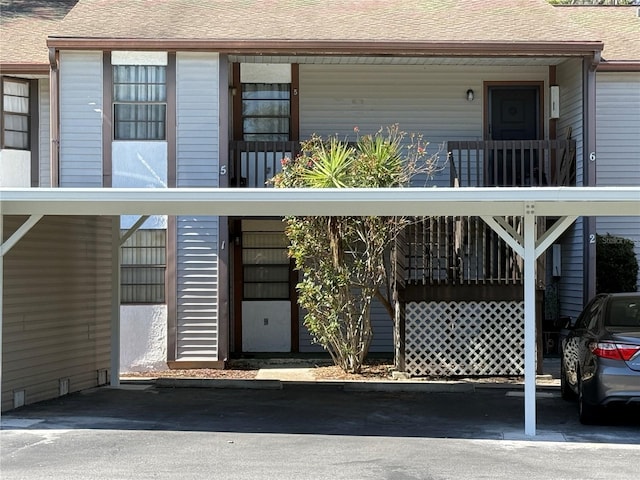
{"points": [[312, 431]]}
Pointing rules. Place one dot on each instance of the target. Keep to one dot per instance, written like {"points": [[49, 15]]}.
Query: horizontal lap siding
{"points": [[81, 119], [429, 100], [569, 78], [618, 146], [57, 307], [197, 237]]}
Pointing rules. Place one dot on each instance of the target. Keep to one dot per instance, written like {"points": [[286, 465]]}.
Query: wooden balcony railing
{"points": [[458, 251], [512, 163], [253, 164]]}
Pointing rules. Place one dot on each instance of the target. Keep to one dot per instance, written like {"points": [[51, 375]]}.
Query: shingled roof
{"points": [[282, 23], [618, 27], [24, 27], [336, 20]]}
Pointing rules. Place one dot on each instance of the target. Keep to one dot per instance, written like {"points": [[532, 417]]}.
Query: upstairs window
{"points": [[266, 111], [15, 114], [139, 102], [143, 267]]}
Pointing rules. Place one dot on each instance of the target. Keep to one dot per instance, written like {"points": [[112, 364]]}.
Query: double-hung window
{"points": [[143, 267], [139, 102], [15, 114]]}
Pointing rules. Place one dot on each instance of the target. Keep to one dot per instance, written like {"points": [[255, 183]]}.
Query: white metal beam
{"points": [[549, 201], [530, 320], [133, 229], [502, 232], [553, 233], [18, 234]]}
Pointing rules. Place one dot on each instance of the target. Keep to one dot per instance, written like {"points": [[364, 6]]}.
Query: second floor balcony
{"points": [[472, 163]]}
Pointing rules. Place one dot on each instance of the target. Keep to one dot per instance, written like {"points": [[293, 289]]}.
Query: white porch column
{"points": [[529, 320]]}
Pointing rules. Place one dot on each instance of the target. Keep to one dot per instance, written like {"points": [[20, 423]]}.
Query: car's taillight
{"points": [[614, 351]]}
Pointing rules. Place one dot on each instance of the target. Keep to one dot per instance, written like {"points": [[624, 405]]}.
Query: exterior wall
{"points": [[81, 119], [44, 173], [429, 100], [198, 117], [382, 325], [618, 145], [143, 338], [66, 333], [571, 291], [422, 99], [15, 168]]}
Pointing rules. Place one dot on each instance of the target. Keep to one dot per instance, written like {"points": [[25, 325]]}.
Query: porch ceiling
{"points": [[391, 60]]}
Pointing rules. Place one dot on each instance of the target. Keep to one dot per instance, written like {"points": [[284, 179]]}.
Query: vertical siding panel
{"points": [[44, 134], [197, 237], [64, 263], [569, 77], [618, 146], [81, 119]]}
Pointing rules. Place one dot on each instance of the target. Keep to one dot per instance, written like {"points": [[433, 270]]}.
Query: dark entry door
{"points": [[513, 115]]}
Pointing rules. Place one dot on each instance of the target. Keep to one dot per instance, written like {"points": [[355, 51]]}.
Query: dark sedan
{"points": [[601, 355]]}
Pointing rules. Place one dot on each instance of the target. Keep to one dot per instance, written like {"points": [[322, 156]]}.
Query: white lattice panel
{"points": [[464, 338]]}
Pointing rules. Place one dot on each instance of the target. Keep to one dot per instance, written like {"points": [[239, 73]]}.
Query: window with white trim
{"points": [[139, 102], [15, 114], [143, 266]]}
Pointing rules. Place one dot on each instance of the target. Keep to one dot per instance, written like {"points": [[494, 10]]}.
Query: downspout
{"points": [[54, 115], [590, 64]]}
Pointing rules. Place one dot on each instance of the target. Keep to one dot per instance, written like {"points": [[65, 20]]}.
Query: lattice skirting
{"points": [[464, 338]]}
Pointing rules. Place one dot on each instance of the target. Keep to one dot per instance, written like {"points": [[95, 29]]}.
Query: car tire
{"points": [[587, 412], [565, 389]]}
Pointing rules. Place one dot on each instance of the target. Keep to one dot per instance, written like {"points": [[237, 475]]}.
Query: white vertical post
{"points": [[529, 320], [115, 302], [1, 288]]}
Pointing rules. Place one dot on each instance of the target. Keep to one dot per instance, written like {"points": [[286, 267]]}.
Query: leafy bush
{"points": [[345, 259], [616, 265]]}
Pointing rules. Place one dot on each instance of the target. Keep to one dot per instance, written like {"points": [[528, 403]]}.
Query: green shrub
{"points": [[616, 265]]}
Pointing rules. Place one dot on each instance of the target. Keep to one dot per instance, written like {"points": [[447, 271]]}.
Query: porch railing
{"points": [[253, 163], [517, 163], [458, 251]]}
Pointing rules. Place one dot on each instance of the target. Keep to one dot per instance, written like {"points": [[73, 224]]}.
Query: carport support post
{"points": [[529, 320], [115, 302], [1, 288]]}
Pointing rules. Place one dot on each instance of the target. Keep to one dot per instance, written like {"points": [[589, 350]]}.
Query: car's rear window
{"points": [[624, 312]]}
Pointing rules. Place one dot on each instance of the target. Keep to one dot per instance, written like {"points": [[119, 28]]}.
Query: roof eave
{"points": [[335, 47], [24, 68], [619, 66]]}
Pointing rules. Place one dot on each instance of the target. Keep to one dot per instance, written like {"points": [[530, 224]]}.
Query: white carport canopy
{"points": [[491, 204]]}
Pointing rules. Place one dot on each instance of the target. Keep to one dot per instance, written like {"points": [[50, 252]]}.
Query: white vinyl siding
{"points": [[197, 140], [618, 146], [569, 78], [430, 100], [66, 333], [81, 113], [44, 135]]}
